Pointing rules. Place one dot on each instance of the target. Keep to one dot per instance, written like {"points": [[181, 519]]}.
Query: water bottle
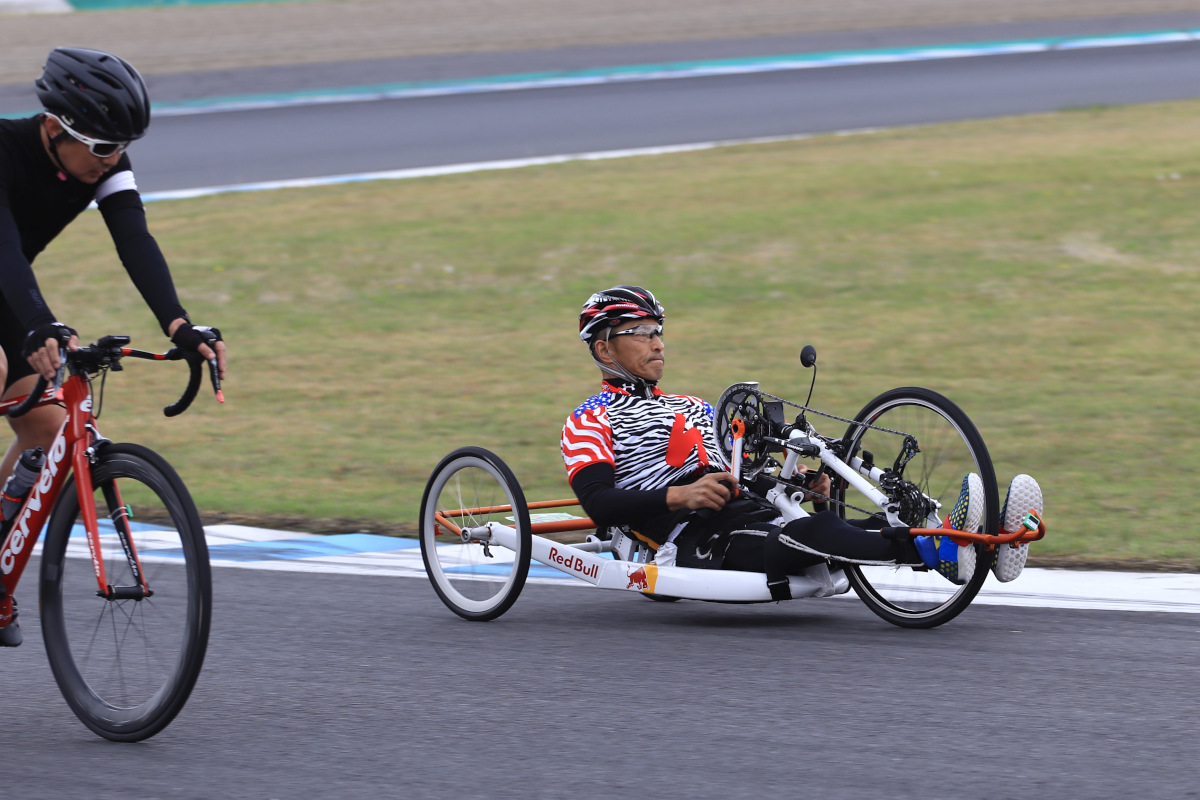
{"points": [[25, 474]]}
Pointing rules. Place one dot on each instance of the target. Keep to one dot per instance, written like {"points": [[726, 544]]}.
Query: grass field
{"points": [[1041, 271]]}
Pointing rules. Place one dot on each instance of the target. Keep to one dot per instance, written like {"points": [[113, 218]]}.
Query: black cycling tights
{"points": [[857, 539]]}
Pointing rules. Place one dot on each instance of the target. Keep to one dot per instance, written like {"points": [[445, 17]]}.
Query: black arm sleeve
{"points": [[608, 505], [126, 219], [17, 282]]}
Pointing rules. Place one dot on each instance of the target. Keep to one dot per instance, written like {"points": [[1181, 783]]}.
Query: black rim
{"points": [[127, 666], [951, 446]]}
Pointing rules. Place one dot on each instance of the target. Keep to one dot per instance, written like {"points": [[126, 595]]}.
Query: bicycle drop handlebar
{"points": [[108, 352]]}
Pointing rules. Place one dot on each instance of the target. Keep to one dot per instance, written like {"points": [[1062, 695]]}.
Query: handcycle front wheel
{"points": [[949, 447], [472, 488], [127, 665]]}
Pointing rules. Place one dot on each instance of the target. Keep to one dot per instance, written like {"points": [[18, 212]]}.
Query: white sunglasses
{"points": [[645, 333], [100, 148]]}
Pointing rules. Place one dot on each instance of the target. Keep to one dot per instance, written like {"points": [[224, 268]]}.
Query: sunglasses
{"points": [[100, 148], [645, 333]]}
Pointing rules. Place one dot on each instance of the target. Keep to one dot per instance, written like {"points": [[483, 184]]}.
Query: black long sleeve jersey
{"points": [[37, 202]]}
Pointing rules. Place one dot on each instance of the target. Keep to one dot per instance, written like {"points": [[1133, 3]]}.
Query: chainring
{"points": [[741, 401]]}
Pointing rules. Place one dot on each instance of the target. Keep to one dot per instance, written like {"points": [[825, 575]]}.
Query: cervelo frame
{"points": [[73, 451]]}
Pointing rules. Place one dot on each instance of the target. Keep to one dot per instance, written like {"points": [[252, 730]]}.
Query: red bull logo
{"points": [[574, 563], [643, 578]]}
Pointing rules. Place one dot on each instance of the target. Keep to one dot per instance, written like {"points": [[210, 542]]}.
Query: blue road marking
{"points": [[344, 544], [536, 570], [667, 71], [106, 526], [654, 72]]}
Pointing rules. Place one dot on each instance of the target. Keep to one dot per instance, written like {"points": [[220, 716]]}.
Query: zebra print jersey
{"points": [[651, 442]]}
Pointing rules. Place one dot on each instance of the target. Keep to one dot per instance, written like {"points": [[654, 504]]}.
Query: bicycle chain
{"points": [[831, 416], [815, 496]]}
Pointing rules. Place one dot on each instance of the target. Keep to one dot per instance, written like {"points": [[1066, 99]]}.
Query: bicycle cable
{"points": [[832, 416], [817, 495]]}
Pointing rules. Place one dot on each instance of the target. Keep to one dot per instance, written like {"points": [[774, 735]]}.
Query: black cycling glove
{"points": [[189, 337], [37, 337]]}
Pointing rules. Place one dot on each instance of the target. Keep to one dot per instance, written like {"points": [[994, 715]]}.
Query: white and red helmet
{"points": [[611, 307]]}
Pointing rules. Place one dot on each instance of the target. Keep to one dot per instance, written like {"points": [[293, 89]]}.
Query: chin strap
{"points": [[54, 140], [642, 386]]}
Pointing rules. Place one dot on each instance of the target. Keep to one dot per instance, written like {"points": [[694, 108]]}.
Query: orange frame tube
{"points": [[442, 518], [1023, 536]]}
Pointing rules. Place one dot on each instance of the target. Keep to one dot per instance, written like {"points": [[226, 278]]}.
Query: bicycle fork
{"points": [[85, 437], [119, 514]]}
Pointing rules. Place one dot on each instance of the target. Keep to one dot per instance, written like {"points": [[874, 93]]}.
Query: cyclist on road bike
{"points": [[639, 458], [52, 166]]}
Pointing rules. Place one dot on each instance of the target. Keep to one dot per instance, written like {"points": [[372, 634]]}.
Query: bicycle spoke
{"points": [[127, 664], [477, 579]]}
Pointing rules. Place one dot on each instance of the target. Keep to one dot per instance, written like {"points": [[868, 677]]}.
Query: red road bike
{"points": [[126, 587]]}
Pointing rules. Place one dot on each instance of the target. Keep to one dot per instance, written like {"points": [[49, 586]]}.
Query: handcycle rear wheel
{"points": [[126, 666], [950, 447], [472, 488]]}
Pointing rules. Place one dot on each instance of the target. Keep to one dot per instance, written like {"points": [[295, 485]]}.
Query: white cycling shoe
{"points": [[956, 563], [1024, 495]]}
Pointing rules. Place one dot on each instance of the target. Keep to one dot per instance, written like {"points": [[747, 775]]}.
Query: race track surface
{"points": [[315, 141], [324, 140], [360, 687]]}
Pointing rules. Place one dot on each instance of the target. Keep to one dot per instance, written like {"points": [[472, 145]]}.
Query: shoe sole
{"points": [[964, 568], [1024, 495]]}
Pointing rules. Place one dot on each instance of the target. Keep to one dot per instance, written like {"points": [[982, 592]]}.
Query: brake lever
{"points": [[211, 336], [214, 377], [40, 388]]}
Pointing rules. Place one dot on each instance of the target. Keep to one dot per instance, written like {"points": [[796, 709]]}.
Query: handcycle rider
{"points": [[639, 458], [52, 166]]}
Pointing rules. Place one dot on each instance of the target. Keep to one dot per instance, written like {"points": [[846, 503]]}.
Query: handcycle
{"points": [[902, 459], [125, 584]]}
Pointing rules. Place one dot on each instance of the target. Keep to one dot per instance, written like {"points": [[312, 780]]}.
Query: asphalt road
{"points": [[219, 149], [313, 141], [360, 687]]}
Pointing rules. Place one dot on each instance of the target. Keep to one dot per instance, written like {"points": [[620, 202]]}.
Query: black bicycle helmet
{"points": [[95, 93], [612, 307]]}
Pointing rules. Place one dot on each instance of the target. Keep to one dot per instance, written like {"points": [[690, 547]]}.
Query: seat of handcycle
{"points": [[626, 544]]}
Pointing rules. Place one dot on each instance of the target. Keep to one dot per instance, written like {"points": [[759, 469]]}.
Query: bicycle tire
{"points": [[127, 666], [474, 582], [951, 446]]}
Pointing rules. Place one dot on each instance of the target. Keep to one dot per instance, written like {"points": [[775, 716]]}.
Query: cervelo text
{"points": [[20, 531]]}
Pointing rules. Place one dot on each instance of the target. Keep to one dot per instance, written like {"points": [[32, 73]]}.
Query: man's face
{"points": [[642, 355], [77, 160]]}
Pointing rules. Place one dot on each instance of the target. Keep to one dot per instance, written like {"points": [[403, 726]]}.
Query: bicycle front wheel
{"points": [[127, 665], [470, 489], [949, 447]]}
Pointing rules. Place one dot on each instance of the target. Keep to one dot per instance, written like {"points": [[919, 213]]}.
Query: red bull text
{"points": [[574, 563]]}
